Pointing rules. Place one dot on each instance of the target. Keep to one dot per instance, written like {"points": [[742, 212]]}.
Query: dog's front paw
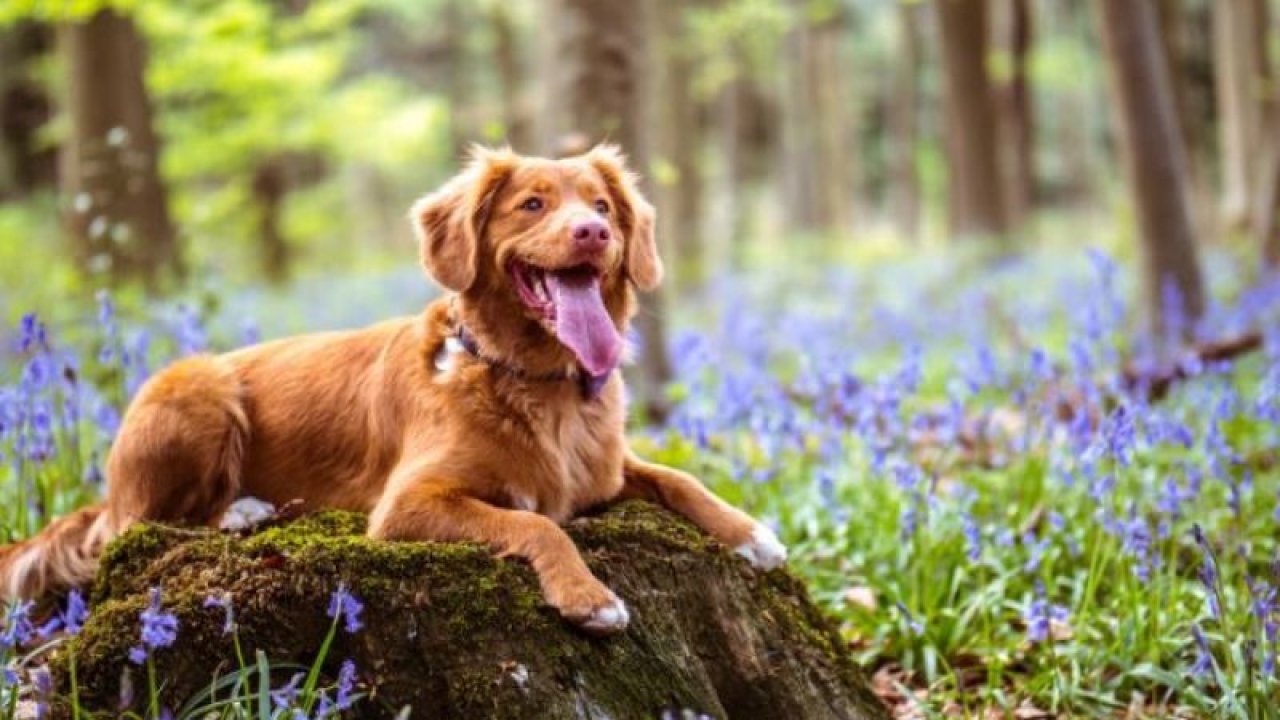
{"points": [[593, 608], [245, 513], [763, 550]]}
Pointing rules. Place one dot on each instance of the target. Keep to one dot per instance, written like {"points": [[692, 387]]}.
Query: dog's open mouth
{"points": [[569, 303]]}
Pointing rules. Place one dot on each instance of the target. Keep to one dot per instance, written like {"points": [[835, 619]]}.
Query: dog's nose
{"points": [[590, 235]]}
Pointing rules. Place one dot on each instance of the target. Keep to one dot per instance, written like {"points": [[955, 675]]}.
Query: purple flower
{"points": [[71, 619], [285, 696], [345, 693], [1204, 658], [42, 683], [346, 686], [343, 603], [159, 629], [33, 334], [1041, 615], [972, 538], [1262, 599], [1208, 572], [1035, 552], [18, 628], [1041, 366], [223, 602]]}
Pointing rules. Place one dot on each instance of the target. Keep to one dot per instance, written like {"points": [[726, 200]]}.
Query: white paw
{"points": [[611, 618], [763, 550], [245, 513]]}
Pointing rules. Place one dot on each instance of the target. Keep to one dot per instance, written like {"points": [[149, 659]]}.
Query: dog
{"points": [[496, 415]]}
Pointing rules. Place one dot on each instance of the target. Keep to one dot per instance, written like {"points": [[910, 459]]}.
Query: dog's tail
{"points": [[64, 554], [177, 459]]}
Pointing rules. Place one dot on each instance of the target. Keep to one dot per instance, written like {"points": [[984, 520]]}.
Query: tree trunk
{"points": [[456, 633], [1240, 77], [748, 133], [269, 187], [457, 74], [1265, 218], [24, 108], [1187, 54], [1155, 159], [903, 118], [975, 202], [1017, 114], [677, 146], [601, 61], [507, 57], [118, 211], [816, 157]]}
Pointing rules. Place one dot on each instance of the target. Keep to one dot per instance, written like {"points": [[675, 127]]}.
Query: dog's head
{"points": [[556, 243]]}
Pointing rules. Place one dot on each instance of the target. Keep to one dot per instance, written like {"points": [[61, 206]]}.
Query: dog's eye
{"points": [[532, 204], [602, 207]]}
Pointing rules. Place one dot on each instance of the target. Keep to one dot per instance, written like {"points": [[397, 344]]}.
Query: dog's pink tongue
{"points": [[582, 323]]}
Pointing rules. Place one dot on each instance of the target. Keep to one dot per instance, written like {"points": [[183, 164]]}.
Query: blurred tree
{"points": [[455, 62], [509, 62], [736, 46], [817, 157], [268, 187], [904, 121], [1155, 158], [24, 107], [1265, 209], [677, 143], [118, 210], [1266, 213], [1240, 40], [975, 201], [274, 177], [1017, 114], [601, 59], [746, 119], [1178, 55]]}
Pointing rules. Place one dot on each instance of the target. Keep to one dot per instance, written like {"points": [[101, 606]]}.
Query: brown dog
{"points": [[494, 416]]}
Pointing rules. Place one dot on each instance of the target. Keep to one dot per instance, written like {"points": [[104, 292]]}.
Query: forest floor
{"points": [[981, 472]]}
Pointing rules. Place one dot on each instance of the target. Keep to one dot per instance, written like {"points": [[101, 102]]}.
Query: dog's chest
{"points": [[579, 463]]}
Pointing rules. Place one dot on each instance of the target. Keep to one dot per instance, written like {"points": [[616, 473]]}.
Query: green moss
{"points": [[447, 623]]}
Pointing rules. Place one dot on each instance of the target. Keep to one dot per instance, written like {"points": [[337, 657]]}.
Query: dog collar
{"points": [[462, 340]]}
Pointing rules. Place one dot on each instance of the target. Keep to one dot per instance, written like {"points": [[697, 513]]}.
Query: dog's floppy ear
{"points": [[634, 214], [450, 221]]}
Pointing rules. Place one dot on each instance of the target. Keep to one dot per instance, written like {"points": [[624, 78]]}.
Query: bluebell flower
{"points": [[343, 603], [1035, 552], [42, 684], [18, 627], [1262, 597], [1171, 498], [1137, 542], [1040, 366], [346, 686], [70, 619], [158, 629], [222, 601], [1040, 616], [1057, 521], [32, 334], [1203, 664], [284, 697]]}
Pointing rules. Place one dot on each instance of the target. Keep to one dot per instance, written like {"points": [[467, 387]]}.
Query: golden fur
{"points": [[434, 444]]}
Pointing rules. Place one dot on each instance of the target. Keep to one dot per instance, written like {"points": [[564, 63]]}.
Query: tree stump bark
{"points": [[455, 633]]}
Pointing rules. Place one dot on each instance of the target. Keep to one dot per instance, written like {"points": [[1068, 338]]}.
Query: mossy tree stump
{"points": [[455, 633]]}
